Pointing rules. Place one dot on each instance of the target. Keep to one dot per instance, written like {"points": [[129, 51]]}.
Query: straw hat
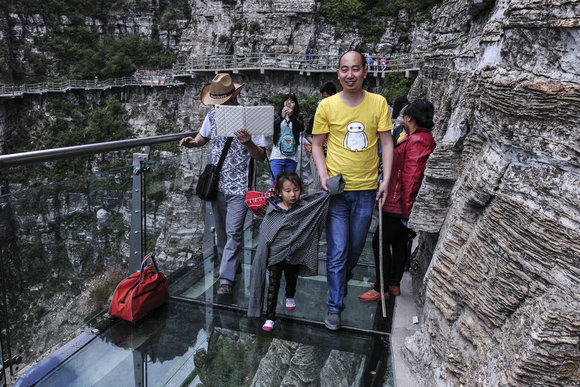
{"points": [[220, 90]]}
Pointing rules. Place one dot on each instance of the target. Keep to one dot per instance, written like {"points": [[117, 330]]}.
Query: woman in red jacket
{"points": [[409, 162]]}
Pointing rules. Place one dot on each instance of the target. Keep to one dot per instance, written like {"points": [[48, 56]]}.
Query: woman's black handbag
{"points": [[207, 184]]}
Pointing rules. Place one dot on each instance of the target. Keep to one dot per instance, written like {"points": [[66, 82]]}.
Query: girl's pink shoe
{"points": [[290, 304], [268, 326]]}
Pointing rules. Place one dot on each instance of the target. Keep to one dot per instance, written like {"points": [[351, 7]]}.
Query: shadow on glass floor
{"points": [[187, 344]]}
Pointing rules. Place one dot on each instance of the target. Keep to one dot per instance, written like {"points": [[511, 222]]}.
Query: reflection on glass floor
{"points": [[311, 292], [311, 296], [187, 344], [202, 339]]}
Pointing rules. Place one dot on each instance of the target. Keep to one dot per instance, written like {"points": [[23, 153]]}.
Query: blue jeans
{"points": [[347, 226], [283, 165]]}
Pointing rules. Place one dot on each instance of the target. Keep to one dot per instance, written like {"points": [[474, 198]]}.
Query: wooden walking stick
{"points": [[381, 264]]}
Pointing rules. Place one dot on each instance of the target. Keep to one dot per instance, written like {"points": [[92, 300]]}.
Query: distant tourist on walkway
{"points": [[354, 121], [383, 63], [288, 125], [307, 54], [229, 210], [409, 162]]}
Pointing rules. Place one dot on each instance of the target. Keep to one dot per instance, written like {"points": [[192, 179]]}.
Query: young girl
{"points": [[288, 242], [288, 188]]}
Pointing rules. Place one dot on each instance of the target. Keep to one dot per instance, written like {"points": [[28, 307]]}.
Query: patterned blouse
{"points": [[234, 173]]}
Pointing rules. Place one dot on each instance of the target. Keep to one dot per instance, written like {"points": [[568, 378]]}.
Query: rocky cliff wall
{"points": [[499, 208], [498, 259]]}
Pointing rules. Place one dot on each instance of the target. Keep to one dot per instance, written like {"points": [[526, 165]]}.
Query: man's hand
{"points": [[188, 142], [323, 180], [382, 192], [243, 136], [319, 159]]}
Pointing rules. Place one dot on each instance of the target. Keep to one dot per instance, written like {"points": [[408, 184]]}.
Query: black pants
{"points": [[395, 237], [291, 275]]}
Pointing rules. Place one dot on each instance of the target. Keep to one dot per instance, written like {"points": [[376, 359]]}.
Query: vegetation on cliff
{"points": [[367, 15], [83, 39]]}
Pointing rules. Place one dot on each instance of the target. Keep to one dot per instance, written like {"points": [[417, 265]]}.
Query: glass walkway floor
{"points": [[202, 339]]}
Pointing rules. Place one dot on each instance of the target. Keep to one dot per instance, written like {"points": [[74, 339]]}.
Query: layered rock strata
{"points": [[501, 198]]}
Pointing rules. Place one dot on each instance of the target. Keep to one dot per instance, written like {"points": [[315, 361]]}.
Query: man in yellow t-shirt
{"points": [[354, 121]]}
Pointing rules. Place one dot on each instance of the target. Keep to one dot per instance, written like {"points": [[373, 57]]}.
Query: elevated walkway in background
{"points": [[77, 84], [262, 62]]}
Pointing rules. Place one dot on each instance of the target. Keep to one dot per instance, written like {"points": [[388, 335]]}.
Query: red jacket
{"points": [[409, 162]]}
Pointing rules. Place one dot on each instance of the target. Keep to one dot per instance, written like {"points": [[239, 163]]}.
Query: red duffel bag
{"points": [[140, 293]]}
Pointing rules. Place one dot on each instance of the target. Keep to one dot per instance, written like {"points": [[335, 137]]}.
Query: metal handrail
{"points": [[288, 62], [87, 149]]}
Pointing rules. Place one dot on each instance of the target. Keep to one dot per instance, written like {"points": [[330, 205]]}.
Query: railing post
{"points": [[137, 213]]}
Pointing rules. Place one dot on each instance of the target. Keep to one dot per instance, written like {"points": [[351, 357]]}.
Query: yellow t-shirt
{"points": [[353, 138]]}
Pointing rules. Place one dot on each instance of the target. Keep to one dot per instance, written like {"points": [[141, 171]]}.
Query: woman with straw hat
{"points": [[229, 210]]}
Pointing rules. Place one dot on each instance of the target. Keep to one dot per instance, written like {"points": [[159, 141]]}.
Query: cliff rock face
{"points": [[499, 207], [497, 267]]}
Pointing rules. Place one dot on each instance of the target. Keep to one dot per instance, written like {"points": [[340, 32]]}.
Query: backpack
{"points": [[287, 142]]}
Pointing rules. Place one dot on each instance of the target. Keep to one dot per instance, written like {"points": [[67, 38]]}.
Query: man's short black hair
{"points": [[362, 58], [329, 88]]}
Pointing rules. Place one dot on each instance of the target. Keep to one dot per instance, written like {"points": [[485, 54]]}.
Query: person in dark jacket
{"points": [[398, 108], [288, 115], [409, 162]]}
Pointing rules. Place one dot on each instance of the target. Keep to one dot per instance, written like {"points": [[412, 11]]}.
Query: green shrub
{"points": [[395, 84], [342, 11], [238, 25], [367, 16], [254, 27], [308, 104]]}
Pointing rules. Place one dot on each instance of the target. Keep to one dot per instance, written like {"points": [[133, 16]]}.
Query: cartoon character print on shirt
{"points": [[356, 140]]}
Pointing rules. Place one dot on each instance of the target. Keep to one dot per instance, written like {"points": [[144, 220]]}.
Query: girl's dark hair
{"points": [[421, 111], [291, 96], [292, 177], [400, 102]]}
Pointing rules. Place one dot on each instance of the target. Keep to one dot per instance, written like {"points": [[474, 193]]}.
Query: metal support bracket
{"points": [[137, 212]]}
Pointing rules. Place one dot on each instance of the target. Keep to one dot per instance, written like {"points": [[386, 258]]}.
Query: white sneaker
{"points": [[268, 326], [290, 304]]}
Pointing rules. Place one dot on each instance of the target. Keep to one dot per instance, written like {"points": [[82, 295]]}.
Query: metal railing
{"points": [[88, 149], [136, 236], [136, 241], [288, 62], [61, 87]]}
